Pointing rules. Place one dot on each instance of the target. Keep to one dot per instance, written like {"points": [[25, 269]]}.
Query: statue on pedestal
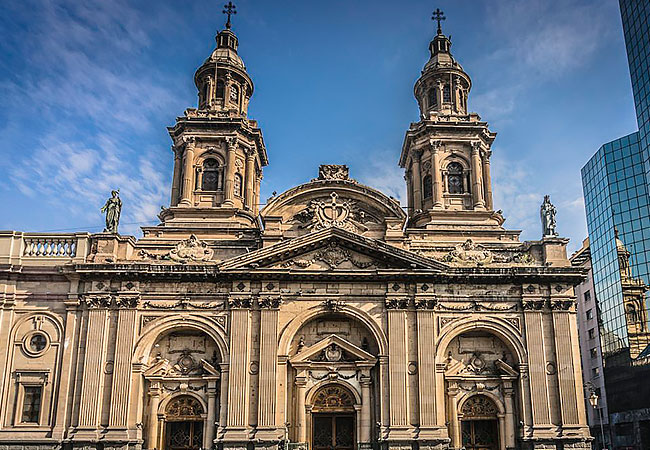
{"points": [[112, 208], [547, 213]]}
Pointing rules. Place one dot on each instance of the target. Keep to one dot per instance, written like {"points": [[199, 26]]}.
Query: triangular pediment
{"points": [[333, 349], [331, 249]]}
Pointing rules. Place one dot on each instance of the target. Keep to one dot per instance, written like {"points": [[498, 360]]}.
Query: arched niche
{"points": [[185, 348], [505, 333], [290, 331], [167, 324], [334, 323]]}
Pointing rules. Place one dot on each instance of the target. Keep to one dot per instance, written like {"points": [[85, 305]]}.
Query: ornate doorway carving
{"points": [[479, 424], [333, 419], [184, 424]]}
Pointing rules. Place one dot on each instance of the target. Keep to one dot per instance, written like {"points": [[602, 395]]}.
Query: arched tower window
{"points": [[455, 178], [234, 93], [446, 94], [211, 175], [206, 93], [433, 98], [427, 187], [220, 88], [238, 184]]}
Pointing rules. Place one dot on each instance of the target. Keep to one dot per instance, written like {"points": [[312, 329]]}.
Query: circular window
{"points": [[36, 343]]}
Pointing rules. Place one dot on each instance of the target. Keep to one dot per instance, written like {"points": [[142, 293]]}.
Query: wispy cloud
{"points": [[384, 174], [98, 99]]}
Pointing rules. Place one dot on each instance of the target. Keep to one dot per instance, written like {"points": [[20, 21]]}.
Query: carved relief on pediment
{"points": [[333, 256], [333, 211], [470, 253], [188, 250]]}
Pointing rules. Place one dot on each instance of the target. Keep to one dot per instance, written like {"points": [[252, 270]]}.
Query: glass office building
{"points": [[616, 184]]}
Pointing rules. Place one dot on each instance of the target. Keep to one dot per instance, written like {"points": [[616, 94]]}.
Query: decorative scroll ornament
{"points": [[333, 397], [397, 303], [333, 353], [270, 302], [184, 407], [332, 255], [128, 301], [97, 301], [479, 406], [469, 253], [334, 212], [333, 172], [191, 249]]}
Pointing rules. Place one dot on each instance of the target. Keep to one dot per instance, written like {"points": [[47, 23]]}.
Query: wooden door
{"points": [[184, 435], [333, 432], [480, 434]]}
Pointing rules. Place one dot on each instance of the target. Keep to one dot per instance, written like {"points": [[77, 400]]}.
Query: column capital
{"points": [[231, 142], [435, 144]]}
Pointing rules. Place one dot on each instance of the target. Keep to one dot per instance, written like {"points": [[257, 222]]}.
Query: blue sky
{"points": [[87, 90]]}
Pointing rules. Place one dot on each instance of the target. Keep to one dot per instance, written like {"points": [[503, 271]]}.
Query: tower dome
{"points": [[222, 81], [444, 86]]}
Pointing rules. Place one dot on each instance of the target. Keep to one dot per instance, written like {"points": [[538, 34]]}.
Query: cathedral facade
{"points": [[332, 319]]}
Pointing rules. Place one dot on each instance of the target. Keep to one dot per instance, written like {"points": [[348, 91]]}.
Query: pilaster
{"points": [[90, 403], [237, 428], [121, 387], [397, 367]]}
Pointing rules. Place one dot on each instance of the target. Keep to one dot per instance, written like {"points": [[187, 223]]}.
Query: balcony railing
{"points": [[51, 246], [40, 248]]}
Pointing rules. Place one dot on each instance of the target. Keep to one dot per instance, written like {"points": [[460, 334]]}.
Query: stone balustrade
{"points": [[22, 248], [50, 246]]}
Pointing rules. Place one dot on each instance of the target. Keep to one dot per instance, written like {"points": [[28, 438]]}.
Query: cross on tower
{"points": [[230, 9], [438, 16]]}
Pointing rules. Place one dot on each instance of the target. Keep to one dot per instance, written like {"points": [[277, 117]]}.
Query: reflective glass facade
{"points": [[616, 184]]}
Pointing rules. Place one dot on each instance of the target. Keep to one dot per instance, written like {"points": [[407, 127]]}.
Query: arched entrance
{"points": [[184, 424], [479, 424], [333, 419]]}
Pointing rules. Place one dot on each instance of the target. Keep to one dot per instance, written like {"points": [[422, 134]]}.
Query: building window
{"points": [[427, 187], [206, 93], [433, 98], [446, 94], [587, 296], [234, 93], [220, 88], [455, 178], [595, 372], [593, 352], [590, 314], [211, 175], [238, 183], [31, 404], [592, 333]]}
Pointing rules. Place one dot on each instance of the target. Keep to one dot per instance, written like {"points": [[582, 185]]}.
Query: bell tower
{"points": [[219, 151], [446, 155]]}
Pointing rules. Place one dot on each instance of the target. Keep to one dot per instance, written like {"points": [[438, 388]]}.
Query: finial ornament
{"points": [[547, 213], [112, 208], [229, 10], [438, 16]]}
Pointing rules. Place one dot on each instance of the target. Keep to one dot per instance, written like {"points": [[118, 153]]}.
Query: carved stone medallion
{"points": [[191, 249]]}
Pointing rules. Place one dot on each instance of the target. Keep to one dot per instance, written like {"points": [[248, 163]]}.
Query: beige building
{"points": [[333, 318]]}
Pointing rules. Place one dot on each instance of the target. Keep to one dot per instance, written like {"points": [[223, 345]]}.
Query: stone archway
{"points": [[480, 377], [183, 361], [332, 348], [333, 418], [480, 423], [184, 424]]}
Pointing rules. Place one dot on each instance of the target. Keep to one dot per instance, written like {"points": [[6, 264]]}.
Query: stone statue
{"points": [[547, 213], [112, 208]]}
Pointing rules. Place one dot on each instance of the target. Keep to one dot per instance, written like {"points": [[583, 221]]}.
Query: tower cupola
{"points": [[443, 87], [222, 81]]}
